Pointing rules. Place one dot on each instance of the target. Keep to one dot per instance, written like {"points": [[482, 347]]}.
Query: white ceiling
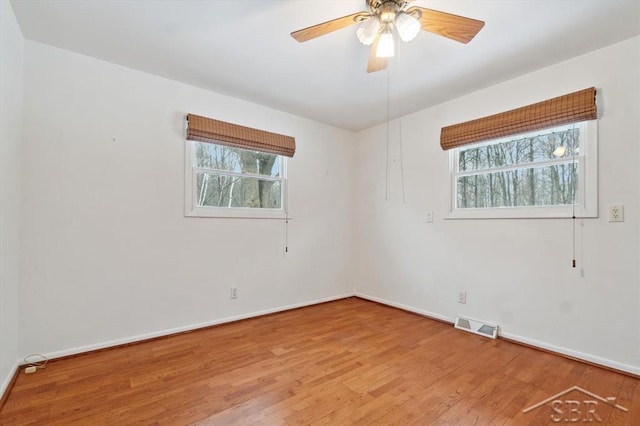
{"points": [[242, 48]]}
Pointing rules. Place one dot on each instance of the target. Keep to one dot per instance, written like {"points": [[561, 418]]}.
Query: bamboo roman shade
{"points": [[571, 108], [205, 129]]}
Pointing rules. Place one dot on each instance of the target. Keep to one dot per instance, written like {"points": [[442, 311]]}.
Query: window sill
{"points": [[237, 213], [521, 213]]}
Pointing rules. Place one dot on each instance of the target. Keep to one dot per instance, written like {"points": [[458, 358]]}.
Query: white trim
{"points": [[530, 165], [533, 342], [230, 213], [167, 332], [204, 170], [530, 212], [587, 183], [406, 308], [8, 379], [572, 353]]}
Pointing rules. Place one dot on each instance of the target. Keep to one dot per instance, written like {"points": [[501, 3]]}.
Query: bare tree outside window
{"points": [[529, 171], [236, 178]]}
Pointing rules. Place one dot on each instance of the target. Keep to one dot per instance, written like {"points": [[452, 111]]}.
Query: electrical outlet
{"points": [[234, 293], [616, 213], [429, 217], [462, 296]]}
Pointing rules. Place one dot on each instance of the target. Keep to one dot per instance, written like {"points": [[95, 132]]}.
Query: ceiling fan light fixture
{"points": [[388, 11], [368, 30], [381, 17], [408, 26], [386, 45]]}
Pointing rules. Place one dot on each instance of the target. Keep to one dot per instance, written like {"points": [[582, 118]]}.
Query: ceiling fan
{"points": [[384, 16]]}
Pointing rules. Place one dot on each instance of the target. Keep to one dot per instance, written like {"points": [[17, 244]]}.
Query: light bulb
{"points": [[408, 26], [560, 151], [368, 30], [386, 48]]}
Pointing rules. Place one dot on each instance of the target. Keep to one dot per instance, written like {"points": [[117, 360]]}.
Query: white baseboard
{"points": [[406, 308], [572, 353], [533, 342], [525, 340], [161, 333], [7, 380]]}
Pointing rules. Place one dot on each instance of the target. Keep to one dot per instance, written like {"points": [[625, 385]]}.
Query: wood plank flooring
{"points": [[340, 363]]}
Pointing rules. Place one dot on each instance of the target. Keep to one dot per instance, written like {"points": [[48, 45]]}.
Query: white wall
{"points": [[112, 258], [517, 272], [11, 54], [111, 255]]}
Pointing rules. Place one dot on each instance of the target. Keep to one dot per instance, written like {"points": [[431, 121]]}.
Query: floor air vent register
{"points": [[477, 327]]}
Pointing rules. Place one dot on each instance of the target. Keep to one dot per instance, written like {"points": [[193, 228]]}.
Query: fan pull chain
{"points": [[399, 118], [404, 195], [386, 189]]}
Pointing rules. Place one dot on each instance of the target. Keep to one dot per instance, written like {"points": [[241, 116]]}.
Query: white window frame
{"points": [[587, 206], [191, 209]]}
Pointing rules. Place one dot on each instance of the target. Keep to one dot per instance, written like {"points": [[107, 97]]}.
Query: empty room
{"points": [[341, 212]]}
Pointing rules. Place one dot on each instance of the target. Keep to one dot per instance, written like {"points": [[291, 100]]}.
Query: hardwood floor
{"points": [[338, 363]]}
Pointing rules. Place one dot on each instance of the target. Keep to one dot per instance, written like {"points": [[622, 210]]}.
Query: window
{"points": [[225, 181], [235, 171], [548, 173]]}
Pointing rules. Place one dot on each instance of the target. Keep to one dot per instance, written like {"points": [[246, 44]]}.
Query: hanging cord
{"points": [[286, 220], [582, 247], [286, 235], [573, 220], [386, 184], [404, 195], [399, 119], [573, 204]]}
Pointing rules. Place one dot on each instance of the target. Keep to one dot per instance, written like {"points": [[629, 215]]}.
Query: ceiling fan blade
{"points": [[455, 27], [327, 27], [375, 63]]}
